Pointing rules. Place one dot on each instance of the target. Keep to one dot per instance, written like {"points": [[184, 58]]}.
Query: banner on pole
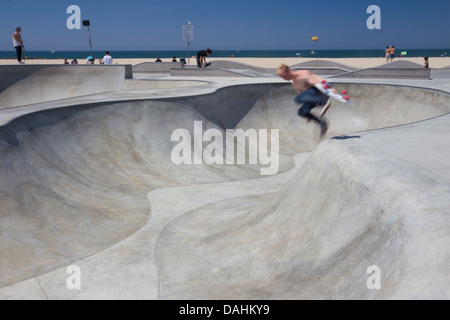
{"points": [[188, 33]]}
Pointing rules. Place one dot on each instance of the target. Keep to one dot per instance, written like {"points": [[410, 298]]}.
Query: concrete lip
{"points": [[90, 183]]}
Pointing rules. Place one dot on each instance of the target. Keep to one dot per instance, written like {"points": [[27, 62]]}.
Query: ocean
{"points": [[376, 53]]}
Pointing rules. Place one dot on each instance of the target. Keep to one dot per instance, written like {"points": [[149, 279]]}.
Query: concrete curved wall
{"points": [[23, 85], [74, 181]]}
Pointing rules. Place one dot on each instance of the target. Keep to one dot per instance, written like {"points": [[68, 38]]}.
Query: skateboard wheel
{"points": [[347, 98], [344, 92], [327, 86]]}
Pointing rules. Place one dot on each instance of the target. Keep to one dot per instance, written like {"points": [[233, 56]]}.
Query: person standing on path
{"points": [[392, 53], [18, 44]]}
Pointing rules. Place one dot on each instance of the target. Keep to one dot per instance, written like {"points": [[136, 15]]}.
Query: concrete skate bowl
{"points": [[74, 183]]}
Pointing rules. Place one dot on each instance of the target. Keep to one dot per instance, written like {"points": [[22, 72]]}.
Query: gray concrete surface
{"points": [[156, 67], [324, 67], [207, 72], [227, 64], [23, 85], [88, 181], [324, 64], [392, 70]]}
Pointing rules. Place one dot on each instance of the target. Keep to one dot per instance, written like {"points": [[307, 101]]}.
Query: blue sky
{"points": [[224, 25]]}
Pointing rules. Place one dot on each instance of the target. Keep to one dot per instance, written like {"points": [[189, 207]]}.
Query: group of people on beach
{"points": [[107, 59], [201, 58], [390, 53]]}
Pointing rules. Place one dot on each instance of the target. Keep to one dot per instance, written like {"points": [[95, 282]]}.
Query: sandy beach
{"points": [[435, 63]]}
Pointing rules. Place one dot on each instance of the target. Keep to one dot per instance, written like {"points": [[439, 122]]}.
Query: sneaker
{"points": [[21, 62], [323, 128]]}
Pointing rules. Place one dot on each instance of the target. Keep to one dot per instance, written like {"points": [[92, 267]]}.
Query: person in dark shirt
{"points": [[201, 58]]}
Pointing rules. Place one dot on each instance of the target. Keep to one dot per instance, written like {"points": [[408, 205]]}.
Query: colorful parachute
{"points": [[315, 39]]}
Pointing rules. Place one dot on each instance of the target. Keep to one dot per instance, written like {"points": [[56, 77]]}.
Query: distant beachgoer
{"points": [[392, 53], [18, 44], [427, 65], [201, 58], [303, 81], [74, 61], [388, 54], [65, 61], [444, 55], [107, 59], [174, 59], [158, 59], [90, 60]]}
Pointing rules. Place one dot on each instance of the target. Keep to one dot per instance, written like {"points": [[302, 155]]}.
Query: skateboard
{"points": [[325, 88]]}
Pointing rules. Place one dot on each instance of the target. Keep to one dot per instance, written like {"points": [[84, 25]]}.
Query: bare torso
{"points": [[304, 80]]}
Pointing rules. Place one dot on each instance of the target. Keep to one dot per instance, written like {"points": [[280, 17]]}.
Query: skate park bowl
{"points": [[94, 185]]}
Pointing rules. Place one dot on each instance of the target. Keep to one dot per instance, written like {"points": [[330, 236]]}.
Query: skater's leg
{"points": [[304, 112]]}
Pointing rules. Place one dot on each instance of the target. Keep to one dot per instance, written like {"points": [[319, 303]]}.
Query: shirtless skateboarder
{"points": [[304, 83]]}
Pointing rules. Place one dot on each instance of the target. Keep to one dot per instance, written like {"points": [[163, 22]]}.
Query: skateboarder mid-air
{"points": [[305, 83]]}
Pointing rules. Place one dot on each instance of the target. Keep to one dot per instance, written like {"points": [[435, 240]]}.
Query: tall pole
{"points": [[87, 23], [189, 54], [90, 42]]}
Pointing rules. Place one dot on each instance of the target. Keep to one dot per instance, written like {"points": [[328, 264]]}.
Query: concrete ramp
{"points": [[94, 185], [317, 236], [208, 72], [29, 84], [323, 64], [75, 183], [227, 64], [398, 64], [156, 67], [225, 68], [393, 70], [324, 67]]}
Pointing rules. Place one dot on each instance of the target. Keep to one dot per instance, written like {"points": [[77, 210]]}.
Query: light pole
{"points": [[87, 23]]}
